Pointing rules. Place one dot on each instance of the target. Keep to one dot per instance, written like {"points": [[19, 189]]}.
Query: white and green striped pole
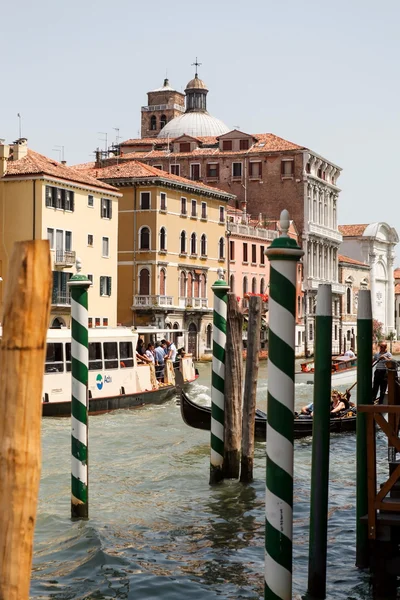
{"points": [[220, 289], [283, 255], [78, 285]]}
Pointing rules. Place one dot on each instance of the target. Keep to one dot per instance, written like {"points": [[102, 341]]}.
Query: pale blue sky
{"points": [[323, 75]]}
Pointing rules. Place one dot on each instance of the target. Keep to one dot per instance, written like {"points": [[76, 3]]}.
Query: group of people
{"points": [[157, 354], [340, 405]]}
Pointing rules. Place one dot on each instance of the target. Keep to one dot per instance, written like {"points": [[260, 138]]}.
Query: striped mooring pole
{"points": [[283, 255], [220, 289], [364, 396], [78, 285]]}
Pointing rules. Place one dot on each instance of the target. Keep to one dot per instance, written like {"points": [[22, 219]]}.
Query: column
{"points": [[372, 259], [390, 294]]}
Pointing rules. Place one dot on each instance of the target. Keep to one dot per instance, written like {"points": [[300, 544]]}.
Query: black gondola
{"points": [[199, 417]]}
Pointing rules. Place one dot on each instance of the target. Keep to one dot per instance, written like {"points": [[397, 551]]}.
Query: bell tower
{"points": [[164, 104]]}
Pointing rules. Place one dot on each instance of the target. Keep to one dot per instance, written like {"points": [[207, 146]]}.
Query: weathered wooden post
{"points": [[23, 351], [320, 444], [250, 388], [233, 389], [79, 285], [283, 254], [364, 382], [220, 289]]}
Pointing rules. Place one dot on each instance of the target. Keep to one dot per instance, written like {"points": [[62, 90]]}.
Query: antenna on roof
{"points": [[20, 125], [60, 150], [104, 139]]}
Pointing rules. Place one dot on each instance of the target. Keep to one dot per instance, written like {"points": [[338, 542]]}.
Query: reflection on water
{"points": [[157, 529]]}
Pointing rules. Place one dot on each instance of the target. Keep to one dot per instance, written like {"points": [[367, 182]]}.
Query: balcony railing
{"points": [[337, 288], [193, 302], [325, 232], [148, 301], [266, 234], [61, 298], [64, 258], [152, 107]]}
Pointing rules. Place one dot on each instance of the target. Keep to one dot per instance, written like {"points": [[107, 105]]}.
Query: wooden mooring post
{"points": [[23, 350], [250, 388]]}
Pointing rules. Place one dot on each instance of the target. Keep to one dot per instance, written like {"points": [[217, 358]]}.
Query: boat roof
{"points": [[94, 333], [342, 359], [144, 330]]}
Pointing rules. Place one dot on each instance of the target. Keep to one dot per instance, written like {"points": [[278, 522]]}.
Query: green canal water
{"points": [[157, 529]]}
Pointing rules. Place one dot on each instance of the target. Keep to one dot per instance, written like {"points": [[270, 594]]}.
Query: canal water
{"points": [[157, 529]]}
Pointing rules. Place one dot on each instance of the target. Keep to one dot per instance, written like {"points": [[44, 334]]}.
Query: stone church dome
{"points": [[196, 124], [196, 84]]}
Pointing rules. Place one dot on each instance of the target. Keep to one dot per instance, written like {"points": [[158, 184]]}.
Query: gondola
{"points": [[199, 417]]}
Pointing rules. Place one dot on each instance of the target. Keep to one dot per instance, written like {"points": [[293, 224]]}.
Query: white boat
{"points": [[116, 380], [344, 371]]}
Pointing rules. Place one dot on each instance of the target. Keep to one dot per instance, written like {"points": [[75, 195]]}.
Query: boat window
{"points": [[54, 358], [110, 355], [68, 356], [126, 354], [95, 362]]}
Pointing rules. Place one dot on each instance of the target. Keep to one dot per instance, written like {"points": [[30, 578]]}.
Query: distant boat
{"points": [[199, 417], [344, 371]]}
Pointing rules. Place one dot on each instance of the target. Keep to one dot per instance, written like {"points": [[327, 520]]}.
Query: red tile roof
{"points": [[351, 261], [396, 273], [34, 164], [397, 288], [352, 230]]}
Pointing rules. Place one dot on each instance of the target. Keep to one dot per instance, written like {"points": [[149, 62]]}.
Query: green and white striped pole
{"points": [[220, 289], [78, 285], [283, 255]]}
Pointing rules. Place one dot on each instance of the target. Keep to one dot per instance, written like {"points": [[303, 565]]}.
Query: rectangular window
{"points": [[105, 321], [163, 201], [68, 200], [236, 169], [50, 237], [183, 207], [49, 196], [184, 147], [90, 240], [106, 208], [213, 170], [262, 255], [54, 358], [68, 241], [336, 331], [175, 170], [90, 277], [110, 355], [126, 354], [105, 286], [95, 356], [195, 172], [287, 168], [245, 255], [145, 200], [68, 357], [106, 247], [222, 214], [204, 210], [310, 334], [253, 253], [194, 209], [255, 169], [59, 198], [226, 144], [231, 250], [90, 322], [244, 144], [97, 321], [90, 201], [158, 167]]}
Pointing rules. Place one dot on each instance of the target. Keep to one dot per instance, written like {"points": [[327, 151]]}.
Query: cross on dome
{"points": [[196, 64]]}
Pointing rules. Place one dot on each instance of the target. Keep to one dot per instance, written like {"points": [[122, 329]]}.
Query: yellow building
{"points": [[171, 243], [43, 199]]}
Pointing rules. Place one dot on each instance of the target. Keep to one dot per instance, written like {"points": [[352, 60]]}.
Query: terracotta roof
{"points": [[397, 288], [34, 164], [135, 169], [352, 230], [351, 261], [396, 273]]}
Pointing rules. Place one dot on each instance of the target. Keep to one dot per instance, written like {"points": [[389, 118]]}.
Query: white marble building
{"points": [[375, 244]]}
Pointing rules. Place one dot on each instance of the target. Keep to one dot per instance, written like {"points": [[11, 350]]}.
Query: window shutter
{"points": [[109, 209], [109, 286], [101, 286], [72, 201]]}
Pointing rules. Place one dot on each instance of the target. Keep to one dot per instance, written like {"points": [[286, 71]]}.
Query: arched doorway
{"points": [[57, 323], [192, 340], [175, 335]]}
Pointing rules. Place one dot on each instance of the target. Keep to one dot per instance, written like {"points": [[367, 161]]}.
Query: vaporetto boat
{"points": [[344, 371], [116, 380]]}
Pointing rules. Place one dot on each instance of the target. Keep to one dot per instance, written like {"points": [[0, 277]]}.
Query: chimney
{"points": [[4, 154], [98, 162], [63, 162], [19, 148]]}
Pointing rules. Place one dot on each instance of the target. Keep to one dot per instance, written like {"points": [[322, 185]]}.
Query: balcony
{"points": [[64, 258], [325, 232], [60, 298], [152, 301], [265, 234], [337, 288], [193, 302]]}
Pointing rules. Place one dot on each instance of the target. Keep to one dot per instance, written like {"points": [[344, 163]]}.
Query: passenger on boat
{"points": [[150, 352], [349, 353], [380, 375], [340, 403], [307, 410], [141, 352], [172, 351], [159, 357]]}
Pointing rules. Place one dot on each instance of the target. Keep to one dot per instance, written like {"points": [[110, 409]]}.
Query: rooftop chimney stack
{"points": [[4, 154], [19, 148]]}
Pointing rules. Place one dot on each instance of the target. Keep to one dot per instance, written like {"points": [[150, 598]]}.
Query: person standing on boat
{"points": [[380, 375], [141, 353], [160, 356], [349, 353], [172, 351], [150, 352]]}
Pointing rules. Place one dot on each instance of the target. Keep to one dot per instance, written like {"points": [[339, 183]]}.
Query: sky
{"points": [[322, 75]]}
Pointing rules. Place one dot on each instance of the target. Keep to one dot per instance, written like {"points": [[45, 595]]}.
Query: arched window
{"points": [[153, 123], [221, 248], [190, 285], [163, 121], [163, 278], [232, 283], [203, 245], [193, 244], [262, 286], [254, 285], [144, 237], [175, 335], [183, 284], [348, 301], [245, 290], [196, 285], [144, 282], [209, 336], [203, 284], [163, 238], [183, 242], [298, 306]]}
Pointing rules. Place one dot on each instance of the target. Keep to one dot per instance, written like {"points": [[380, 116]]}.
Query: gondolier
{"points": [[380, 375]]}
